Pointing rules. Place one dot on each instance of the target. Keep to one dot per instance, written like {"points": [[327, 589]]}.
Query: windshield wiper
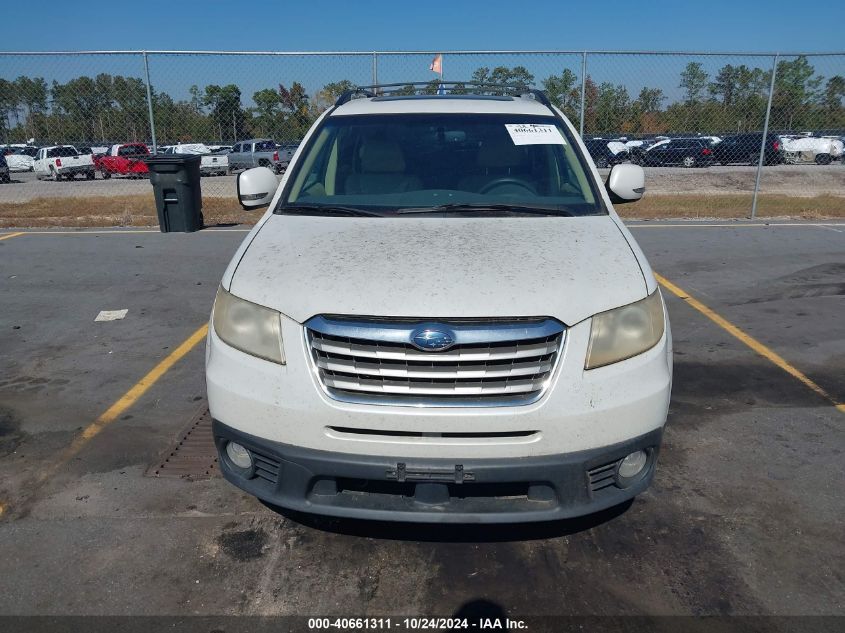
{"points": [[327, 209], [511, 208]]}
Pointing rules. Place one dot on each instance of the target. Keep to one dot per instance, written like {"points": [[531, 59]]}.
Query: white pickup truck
{"points": [[62, 161], [212, 164]]}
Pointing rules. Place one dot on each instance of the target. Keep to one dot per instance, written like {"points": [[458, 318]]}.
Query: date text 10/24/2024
{"points": [[415, 624]]}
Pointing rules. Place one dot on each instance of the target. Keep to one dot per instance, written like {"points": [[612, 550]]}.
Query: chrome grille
{"points": [[492, 363]]}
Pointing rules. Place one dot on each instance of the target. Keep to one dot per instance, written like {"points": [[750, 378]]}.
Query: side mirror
{"points": [[256, 187], [625, 183]]}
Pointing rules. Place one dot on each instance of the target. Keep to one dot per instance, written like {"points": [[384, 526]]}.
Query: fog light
{"points": [[632, 465], [238, 455]]}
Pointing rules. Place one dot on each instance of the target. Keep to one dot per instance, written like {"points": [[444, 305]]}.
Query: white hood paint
{"points": [[434, 267]]}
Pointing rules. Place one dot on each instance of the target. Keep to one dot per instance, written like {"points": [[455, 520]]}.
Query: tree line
{"points": [[112, 107]]}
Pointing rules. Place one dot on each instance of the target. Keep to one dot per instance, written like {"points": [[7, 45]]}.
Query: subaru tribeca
{"points": [[440, 318]]}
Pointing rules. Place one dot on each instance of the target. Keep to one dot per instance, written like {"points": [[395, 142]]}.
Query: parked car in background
{"points": [[810, 149], [125, 159], [286, 152], [745, 149], [4, 170], [602, 155], [213, 164], [688, 152], [20, 158], [257, 152], [62, 161]]}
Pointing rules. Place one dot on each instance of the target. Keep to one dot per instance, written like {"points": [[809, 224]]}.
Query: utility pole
{"points": [[583, 91], [762, 157], [150, 103]]}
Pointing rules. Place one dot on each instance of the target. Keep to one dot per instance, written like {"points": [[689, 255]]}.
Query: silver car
{"points": [[260, 152]]}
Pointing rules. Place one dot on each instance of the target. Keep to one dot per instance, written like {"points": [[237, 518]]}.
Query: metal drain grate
{"points": [[194, 456]]}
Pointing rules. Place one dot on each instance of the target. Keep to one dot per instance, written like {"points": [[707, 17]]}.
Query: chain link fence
{"points": [[720, 134]]}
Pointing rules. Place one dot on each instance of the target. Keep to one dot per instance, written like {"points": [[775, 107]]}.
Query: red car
{"points": [[126, 159]]}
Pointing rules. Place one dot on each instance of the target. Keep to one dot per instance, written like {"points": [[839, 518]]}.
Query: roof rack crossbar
{"points": [[514, 90]]}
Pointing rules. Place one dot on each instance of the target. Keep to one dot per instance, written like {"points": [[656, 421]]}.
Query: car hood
{"points": [[434, 267]]}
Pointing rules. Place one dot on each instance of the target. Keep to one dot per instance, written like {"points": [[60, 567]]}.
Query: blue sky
{"points": [[424, 25], [738, 25]]}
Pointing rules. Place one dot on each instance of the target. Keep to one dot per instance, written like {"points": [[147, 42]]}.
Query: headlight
{"points": [[248, 327], [625, 332]]}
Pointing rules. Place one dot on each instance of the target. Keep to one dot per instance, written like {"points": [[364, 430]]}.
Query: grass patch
{"points": [[132, 210], [733, 206], [139, 210]]}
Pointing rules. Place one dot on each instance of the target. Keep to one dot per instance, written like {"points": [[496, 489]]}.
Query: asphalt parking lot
{"points": [[744, 517]]}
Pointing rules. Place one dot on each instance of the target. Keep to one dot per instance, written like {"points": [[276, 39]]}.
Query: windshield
{"points": [[62, 152], [132, 150], [387, 163]]}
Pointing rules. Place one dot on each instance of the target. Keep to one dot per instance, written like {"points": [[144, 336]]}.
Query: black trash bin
{"points": [[176, 185]]}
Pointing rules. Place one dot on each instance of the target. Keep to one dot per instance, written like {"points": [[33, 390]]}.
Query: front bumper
{"points": [[458, 490]]}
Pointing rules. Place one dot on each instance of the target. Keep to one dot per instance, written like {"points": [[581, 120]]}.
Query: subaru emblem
{"points": [[431, 340]]}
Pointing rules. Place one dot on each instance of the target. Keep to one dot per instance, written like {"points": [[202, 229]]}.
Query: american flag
{"points": [[437, 64]]}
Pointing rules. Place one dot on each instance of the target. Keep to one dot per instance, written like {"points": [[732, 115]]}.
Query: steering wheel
{"points": [[500, 182]]}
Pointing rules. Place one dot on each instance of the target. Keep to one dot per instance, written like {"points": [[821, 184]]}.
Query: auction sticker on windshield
{"points": [[534, 134]]}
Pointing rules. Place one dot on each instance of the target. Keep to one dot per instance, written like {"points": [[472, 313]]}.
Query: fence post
{"points": [[375, 68], [150, 103], [762, 157], [583, 90]]}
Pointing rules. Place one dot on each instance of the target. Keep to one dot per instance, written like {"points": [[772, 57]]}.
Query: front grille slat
{"points": [[457, 388], [470, 353], [503, 363], [350, 365]]}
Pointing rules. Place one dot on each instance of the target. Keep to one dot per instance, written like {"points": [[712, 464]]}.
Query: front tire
{"points": [[689, 161], [106, 174]]}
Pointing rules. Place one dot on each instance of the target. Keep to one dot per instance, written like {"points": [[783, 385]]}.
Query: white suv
{"points": [[440, 318]]}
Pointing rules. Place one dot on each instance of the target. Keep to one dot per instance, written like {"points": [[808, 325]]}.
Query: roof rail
{"points": [[464, 87]]}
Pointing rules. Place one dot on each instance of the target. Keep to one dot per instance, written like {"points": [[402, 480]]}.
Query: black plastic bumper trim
{"points": [[543, 488]]}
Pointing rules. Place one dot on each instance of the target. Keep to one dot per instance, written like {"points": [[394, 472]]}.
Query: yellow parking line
{"points": [[748, 340], [9, 236], [124, 402]]}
